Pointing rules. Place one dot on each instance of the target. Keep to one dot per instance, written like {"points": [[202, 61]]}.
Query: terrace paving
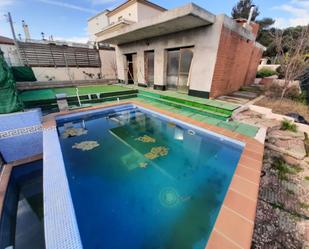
{"points": [[47, 94], [247, 130], [207, 111]]}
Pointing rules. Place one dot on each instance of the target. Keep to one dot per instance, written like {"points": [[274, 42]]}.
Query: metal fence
{"points": [[52, 55]]}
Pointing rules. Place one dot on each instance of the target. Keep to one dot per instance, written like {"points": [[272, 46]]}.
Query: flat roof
{"points": [[179, 19], [130, 2], [100, 13]]}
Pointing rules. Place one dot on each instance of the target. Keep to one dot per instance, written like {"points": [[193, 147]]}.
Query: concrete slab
{"points": [[179, 19]]}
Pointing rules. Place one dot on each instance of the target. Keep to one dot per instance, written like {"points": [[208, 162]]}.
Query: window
{"points": [[178, 68]]}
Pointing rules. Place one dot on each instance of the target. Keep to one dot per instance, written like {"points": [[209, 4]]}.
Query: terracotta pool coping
{"points": [[235, 222], [6, 173]]}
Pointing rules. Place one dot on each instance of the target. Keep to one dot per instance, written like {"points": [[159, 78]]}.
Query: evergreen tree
{"points": [[242, 10]]}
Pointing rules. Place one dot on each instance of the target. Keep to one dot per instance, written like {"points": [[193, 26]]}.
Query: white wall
{"points": [[62, 73], [205, 41], [108, 70], [129, 13], [269, 66], [10, 54], [145, 12], [108, 64], [97, 24], [135, 12]]}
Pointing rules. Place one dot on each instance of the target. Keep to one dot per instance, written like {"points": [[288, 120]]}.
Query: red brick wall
{"points": [[236, 64]]}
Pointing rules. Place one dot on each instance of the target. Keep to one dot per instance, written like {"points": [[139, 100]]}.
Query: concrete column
{"points": [[160, 67], [140, 67], [121, 65]]}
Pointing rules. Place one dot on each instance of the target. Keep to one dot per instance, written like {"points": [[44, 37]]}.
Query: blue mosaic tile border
{"points": [[61, 230], [20, 131]]}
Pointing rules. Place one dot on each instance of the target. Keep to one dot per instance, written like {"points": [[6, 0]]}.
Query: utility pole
{"points": [[14, 37]]}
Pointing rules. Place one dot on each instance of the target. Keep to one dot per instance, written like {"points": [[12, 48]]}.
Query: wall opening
{"points": [[178, 69], [131, 69]]}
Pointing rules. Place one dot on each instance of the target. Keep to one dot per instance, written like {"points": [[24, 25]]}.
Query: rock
{"points": [[286, 135], [291, 160]]}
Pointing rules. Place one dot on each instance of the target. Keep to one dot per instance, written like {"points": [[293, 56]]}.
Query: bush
{"points": [[288, 125], [292, 93], [265, 72], [273, 90], [280, 73]]}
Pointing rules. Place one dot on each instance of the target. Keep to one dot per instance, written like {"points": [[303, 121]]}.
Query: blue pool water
{"points": [[144, 182]]}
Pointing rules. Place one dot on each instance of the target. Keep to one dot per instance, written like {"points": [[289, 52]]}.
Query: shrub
{"points": [[280, 73], [284, 169], [292, 93], [288, 125], [273, 90], [265, 72]]}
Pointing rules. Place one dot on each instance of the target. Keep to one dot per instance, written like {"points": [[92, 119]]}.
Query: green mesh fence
{"points": [[23, 74], [9, 100]]}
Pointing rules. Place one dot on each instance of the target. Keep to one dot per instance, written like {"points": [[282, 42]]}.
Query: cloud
{"points": [[299, 11], [78, 39], [6, 3], [104, 1], [68, 5]]}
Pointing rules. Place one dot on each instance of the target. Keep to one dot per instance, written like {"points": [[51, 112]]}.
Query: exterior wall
{"points": [[129, 13], [273, 67], [108, 70], [108, 64], [256, 56], [145, 12], [62, 73], [205, 41], [237, 63], [10, 54], [97, 24]]}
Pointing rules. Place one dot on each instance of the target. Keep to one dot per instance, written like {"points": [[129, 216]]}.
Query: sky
{"points": [[67, 19]]}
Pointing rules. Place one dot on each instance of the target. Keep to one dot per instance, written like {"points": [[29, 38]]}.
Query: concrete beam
{"points": [[179, 19]]}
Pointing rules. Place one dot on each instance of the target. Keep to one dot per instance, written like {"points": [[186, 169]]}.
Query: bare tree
{"points": [[291, 55]]}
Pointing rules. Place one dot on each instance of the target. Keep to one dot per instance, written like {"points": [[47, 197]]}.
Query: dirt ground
{"points": [[285, 107]]}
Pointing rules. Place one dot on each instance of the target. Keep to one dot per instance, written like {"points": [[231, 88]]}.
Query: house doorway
{"points": [[178, 69], [131, 68], [149, 68]]}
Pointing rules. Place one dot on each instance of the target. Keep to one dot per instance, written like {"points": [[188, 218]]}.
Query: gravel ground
{"points": [[282, 218]]}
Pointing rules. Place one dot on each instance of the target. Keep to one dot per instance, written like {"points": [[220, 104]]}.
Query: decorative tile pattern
{"points": [[21, 131]]}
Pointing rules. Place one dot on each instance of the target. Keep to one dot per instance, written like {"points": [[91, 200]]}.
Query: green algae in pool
{"points": [[150, 184]]}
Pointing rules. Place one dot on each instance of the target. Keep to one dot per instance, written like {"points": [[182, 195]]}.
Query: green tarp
{"points": [[23, 74], [9, 100]]}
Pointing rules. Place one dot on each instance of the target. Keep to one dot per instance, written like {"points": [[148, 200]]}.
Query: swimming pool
{"points": [[143, 180]]}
